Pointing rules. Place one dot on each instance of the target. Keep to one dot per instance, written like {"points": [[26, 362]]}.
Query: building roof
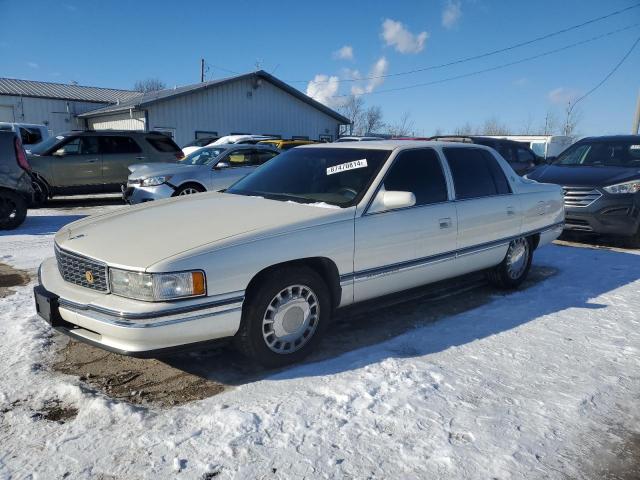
{"points": [[63, 91], [143, 100]]}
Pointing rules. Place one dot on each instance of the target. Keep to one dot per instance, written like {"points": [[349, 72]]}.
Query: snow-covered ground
{"points": [[541, 383]]}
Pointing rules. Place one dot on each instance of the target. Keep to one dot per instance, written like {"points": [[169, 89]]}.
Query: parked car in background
{"points": [[84, 162], [317, 228], [15, 181], [600, 177], [547, 147], [242, 139], [209, 168], [281, 144], [197, 143], [521, 158], [357, 139], [30, 133]]}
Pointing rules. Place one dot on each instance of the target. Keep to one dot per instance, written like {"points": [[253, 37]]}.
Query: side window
{"points": [[119, 145], [506, 151], [525, 155], [265, 156], [72, 147], [240, 158], [89, 146], [420, 172], [472, 175], [499, 178], [163, 143]]}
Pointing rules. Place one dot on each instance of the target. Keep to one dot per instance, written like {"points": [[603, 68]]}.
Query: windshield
{"points": [[204, 156], [602, 154], [49, 143], [339, 176]]}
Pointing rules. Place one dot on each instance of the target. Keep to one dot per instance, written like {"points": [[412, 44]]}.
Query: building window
{"points": [[300, 137], [325, 138], [205, 134]]}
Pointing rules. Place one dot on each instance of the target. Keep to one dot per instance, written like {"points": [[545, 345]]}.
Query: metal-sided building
{"points": [[55, 105], [253, 103]]}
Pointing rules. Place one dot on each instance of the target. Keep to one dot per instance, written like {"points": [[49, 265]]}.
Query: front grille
{"points": [[580, 196], [82, 271]]}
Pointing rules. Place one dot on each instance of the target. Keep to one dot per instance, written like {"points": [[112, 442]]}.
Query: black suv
{"points": [[15, 181], [601, 181], [98, 161], [521, 158]]}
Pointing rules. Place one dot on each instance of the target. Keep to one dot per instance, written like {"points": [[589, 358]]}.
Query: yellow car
{"points": [[286, 144]]}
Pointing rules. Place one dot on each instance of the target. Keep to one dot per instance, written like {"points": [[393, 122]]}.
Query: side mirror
{"points": [[59, 153], [221, 165], [392, 200]]}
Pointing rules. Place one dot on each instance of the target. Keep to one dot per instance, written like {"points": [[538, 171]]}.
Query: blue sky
{"points": [[114, 43]]}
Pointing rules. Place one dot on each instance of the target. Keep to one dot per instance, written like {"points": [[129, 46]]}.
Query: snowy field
{"points": [[541, 383]]}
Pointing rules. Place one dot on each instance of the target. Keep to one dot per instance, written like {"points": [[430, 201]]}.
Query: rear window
{"points": [[475, 173], [163, 144]]}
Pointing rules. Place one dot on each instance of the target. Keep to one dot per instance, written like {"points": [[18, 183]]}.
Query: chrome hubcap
{"points": [[291, 319], [517, 257], [188, 191]]}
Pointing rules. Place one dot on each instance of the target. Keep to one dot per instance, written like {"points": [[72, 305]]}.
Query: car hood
{"points": [[144, 170], [584, 176], [137, 237]]}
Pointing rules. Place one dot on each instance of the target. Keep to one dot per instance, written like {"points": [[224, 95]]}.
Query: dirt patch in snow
{"points": [[11, 277], [55, 411], [180, 379]]}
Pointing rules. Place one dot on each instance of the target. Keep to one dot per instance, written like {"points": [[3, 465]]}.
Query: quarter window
{"points": [[119, 145], [475, 173], [419, 172]]}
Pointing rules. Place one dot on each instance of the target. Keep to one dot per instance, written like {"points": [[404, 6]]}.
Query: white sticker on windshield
{"points": [[343, 167], [634, 147], [60, 137]]}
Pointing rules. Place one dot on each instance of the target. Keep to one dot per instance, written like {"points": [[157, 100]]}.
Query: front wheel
{"points": [[513, 270], [188, 190], [284, 317]]}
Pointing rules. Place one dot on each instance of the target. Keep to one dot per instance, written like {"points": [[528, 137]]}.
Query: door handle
{"points": [[445, 222], [92, 160], [511, 211], [140, 158]]}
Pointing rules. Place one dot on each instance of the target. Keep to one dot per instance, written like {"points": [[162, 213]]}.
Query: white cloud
{"points": [[378, 70], [344, 53], [521, 82], [562, 95], [395, 34], [451, 13], [33, 65], [324, 89]]}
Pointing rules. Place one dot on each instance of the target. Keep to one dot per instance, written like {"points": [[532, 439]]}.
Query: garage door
{"points": [[6, 113]]}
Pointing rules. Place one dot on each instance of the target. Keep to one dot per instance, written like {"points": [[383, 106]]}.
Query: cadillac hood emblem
{"points": [[89, 276]]}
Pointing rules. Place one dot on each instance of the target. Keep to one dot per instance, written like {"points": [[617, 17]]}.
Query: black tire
{"points": [[13, 210], [503, 276], [251, 339], [188, 189], [40, 192]]}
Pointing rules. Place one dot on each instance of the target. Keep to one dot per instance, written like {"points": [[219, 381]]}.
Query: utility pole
{"points": [[636, 120], [202, 70]]}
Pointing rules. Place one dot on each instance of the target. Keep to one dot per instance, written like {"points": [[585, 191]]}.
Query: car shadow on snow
{"points": [[42, 225], [440, 316]]}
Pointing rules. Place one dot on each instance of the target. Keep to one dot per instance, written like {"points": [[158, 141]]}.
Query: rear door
{"points": [[408, 247], [488, 212], [78, 165], [118, 152]]}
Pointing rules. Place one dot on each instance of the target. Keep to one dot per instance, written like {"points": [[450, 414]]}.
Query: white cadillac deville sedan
{"points": [[317, 228]]}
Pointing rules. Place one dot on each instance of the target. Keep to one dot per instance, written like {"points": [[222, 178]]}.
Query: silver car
{"points": [[209, 168]]}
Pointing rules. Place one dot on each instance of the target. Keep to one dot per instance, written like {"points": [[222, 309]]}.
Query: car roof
{"points": [[111, 132], [611, 138], [392, 145]]}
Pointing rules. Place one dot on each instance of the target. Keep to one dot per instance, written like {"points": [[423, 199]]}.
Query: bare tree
{"points": [[572, 118], [403, 128], [550, 125], [527, 126], [438, 132], [466, 129], [372, 120], [353, 109], [492, 126], [149, 85]]}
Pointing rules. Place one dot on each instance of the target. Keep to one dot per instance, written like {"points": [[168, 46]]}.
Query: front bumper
{"points": [[608, 215], [132, 327], [133, 194]]}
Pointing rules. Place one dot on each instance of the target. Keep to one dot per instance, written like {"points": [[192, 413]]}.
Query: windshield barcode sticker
{"points": [[634, 147], [343, 167]]}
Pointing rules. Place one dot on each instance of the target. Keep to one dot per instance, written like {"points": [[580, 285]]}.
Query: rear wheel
{"points": [[284, 318], [513, 270], [40, 192], [188, 189], [13, 210]]}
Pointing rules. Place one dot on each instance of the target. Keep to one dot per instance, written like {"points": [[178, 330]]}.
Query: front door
{"points": [[408, 247], [77, 165], [118, 152]]}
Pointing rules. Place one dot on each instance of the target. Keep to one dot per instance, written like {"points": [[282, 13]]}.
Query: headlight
{"points": [[157, 287], [627, 187], [153, 181]]}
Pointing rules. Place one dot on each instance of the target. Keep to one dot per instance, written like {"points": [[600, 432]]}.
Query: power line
{"points": [[481, 55], [498, 67]]}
